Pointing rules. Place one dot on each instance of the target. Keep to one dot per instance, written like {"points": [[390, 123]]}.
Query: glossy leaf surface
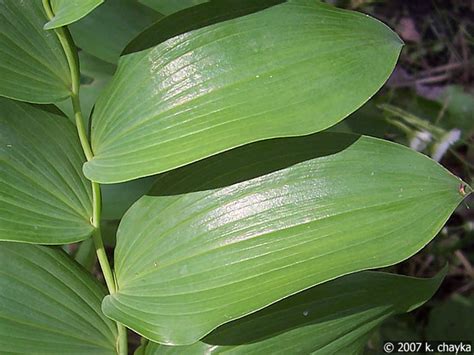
{"points": [[69, 11], [33, 66], [292, 69], [49, 304], [188, 263], [334, 318], [168, 7], [193, 18], [43, 195], [106, 31]]}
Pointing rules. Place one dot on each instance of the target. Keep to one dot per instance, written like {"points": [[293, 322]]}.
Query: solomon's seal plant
{"points": [[251, 231]]}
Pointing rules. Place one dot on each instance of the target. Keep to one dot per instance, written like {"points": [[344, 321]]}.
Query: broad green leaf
{"points": [[117, 198], [106, 31], [188, 263], [334, 318], [95, 74], [194, 18], [69, 11], [167, 7], [33, 66], [49, 304], [292, 69], [44, 196]]}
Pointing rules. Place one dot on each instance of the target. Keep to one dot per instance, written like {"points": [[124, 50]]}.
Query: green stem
{"points": [[97, 236], [71, 56]]}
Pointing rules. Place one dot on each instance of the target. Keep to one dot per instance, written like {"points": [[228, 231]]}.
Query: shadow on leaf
{"points": [[354, 300], [194, 18], [248, 162]]}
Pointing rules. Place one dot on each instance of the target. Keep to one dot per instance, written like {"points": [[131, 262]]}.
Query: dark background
{"points": [[428, 104]]}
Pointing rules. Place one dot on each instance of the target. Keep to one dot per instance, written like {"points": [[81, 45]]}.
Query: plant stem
{"points": [[97, 236], [71, 56]]}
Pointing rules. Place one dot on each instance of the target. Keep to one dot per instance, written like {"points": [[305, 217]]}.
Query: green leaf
{"points": [[117, 198], [69, 11], [168, 7], [33, 67], [50, 305], [194, 18], [43, 194], [334, 318], [188, 263], [292, 69], [105, 32]]}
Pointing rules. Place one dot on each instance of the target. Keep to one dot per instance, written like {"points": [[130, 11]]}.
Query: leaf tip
{"points": [[398, 39], [464, 189], [88, 170], [50, 25], [105, 306]]}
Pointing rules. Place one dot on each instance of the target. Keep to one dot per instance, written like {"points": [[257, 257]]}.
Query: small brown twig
{"points": [[445, 67], [429, 259], [433, 79], [465, 263], [464, 288], [464, 51]]}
